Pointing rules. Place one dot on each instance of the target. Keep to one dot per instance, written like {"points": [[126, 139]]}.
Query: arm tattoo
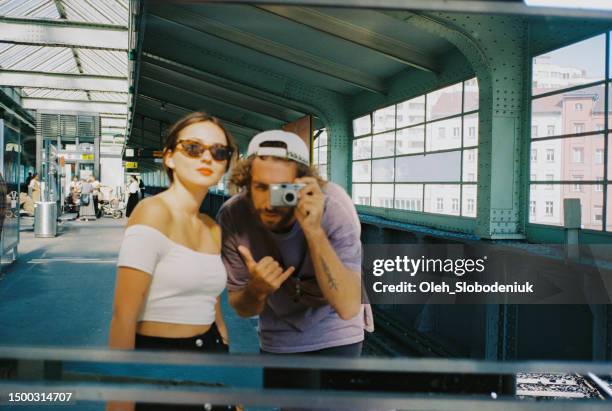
{"points": [[330, 278]]}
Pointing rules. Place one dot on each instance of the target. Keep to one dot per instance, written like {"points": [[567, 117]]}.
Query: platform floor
{"points": [[60, 290]]}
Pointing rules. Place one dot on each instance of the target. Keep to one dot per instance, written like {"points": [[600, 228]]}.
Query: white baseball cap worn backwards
{"points": [[295, 150]]}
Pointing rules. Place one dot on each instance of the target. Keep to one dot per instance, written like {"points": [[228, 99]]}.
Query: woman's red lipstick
{"points": [[205, 171]]}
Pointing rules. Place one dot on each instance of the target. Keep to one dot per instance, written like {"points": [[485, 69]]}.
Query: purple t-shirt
{"points": [[284, 325]]}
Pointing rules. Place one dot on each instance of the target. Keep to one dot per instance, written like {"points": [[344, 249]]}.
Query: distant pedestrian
{"points": [[27, 183], [34, 188], [141, 187], [87, 211], [133, 190], [96, 195]]}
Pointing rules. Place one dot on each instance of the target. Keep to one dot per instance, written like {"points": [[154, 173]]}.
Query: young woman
{"points": [[170, 272]]}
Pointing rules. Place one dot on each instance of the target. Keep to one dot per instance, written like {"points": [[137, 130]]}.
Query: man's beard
{"points": [[283, 224]]}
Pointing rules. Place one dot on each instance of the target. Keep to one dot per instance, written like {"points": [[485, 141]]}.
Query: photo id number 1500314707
{"points": [[29, 398]]}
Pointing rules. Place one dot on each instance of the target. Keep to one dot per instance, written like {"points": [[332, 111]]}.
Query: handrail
{"points": [[406, 365]]}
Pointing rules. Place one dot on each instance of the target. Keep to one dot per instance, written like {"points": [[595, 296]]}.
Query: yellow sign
{"points": [[131, 164], [87, 157]]}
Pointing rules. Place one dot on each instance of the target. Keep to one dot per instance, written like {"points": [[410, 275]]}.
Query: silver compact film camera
{"points": [[284, 194]]}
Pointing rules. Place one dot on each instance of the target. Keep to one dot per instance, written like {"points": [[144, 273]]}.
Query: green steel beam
{"points": [[63, 81], [195, 101], [62, 33], [220, 81], [217, 93], [168, 112], [186, 19], [401, 51], [495, 7]]}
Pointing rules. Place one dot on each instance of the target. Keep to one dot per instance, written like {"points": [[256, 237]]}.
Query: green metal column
{"points": [[496, 49]]}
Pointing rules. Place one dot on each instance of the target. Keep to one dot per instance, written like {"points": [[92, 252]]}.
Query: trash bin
{"points": [[45, 219]]}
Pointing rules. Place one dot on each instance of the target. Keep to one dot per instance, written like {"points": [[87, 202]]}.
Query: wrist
{"points": [[254, 294], [314, 234]]}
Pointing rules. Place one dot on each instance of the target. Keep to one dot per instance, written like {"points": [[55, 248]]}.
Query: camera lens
{"points": [[289, 197]]}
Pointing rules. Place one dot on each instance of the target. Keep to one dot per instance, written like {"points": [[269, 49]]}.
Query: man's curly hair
{"points": [[240, 178]]}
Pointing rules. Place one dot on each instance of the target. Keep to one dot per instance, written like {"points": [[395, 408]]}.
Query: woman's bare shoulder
{"points": [[153, 212]]}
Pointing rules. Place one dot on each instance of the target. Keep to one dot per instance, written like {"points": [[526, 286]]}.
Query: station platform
{"points": [[59, 293]]}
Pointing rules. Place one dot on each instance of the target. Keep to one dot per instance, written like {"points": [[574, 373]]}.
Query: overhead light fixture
{"points": [[572, 4]]}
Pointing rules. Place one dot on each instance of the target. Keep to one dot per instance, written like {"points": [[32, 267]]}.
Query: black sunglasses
{"points": [[195, 149]]}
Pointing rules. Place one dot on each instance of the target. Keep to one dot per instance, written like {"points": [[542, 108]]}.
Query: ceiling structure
{"points": [[255, 64], [202, 56], [69, 56]]}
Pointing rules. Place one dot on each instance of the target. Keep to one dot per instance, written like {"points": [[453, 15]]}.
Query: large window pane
{"points": [[444, 102], [387, 155], [567, 159], [383, 144], [323, 171], [431, 167], [470, 95], [322, 139], [382, 195], [469, 200], [599, 156], [362, 125], [409, 197], [315, 155], [384, 119], [362, 148], [382, 170], [411, 112], [574, 112], [546, 116], [444, 135], [579, 63], [546, 206], [470, 165], [323, 155], [442, 198], [361, 194], [410, 140], [609, 211], [470, 130], [361, 171]]}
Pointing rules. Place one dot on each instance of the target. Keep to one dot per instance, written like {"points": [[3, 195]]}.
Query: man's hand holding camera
{"points": [[267, 275], [309, 210]]}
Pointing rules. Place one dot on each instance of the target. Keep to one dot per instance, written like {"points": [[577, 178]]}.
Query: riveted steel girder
{"points": [[18, 78], [63, 34]]}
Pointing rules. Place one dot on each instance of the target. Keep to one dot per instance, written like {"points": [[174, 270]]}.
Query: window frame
{"points": [[599, 184], [465, 133]]}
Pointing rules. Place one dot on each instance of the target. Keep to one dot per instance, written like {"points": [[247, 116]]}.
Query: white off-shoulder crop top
{"points": [[185, 283]]}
